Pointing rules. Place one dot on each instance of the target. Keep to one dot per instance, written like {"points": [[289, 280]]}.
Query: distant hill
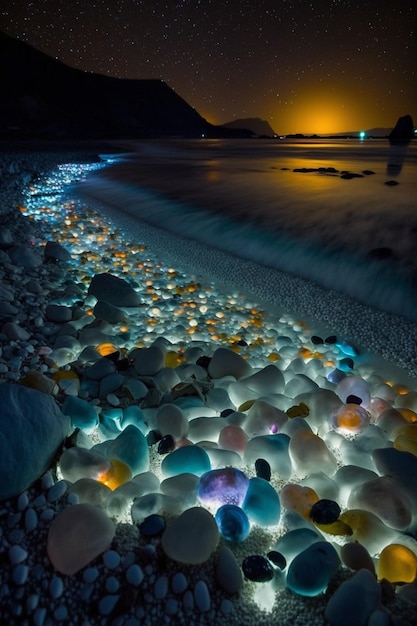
{"points": [[43, 98], [254, 124]]}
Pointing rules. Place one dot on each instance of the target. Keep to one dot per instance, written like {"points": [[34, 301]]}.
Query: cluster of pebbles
{"points": [[222, 465]]}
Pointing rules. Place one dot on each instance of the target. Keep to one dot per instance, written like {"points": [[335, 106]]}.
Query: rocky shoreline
{"points": [[106, 351]]}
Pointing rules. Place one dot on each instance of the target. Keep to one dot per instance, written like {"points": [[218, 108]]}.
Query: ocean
{"points": [[342, 214]]}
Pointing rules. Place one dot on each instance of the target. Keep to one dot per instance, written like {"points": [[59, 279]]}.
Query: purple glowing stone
{"points": [[217, 487]]}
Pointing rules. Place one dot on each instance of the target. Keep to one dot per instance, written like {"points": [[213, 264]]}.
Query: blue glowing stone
{"points": [[311, 571], [233, 523], [81, 413], [262, 504], [189, 459], [131, 447], [227, 485]]}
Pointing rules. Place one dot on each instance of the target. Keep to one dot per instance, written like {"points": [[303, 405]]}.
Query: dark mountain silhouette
{"points": [[254, 124], [43, 98]]}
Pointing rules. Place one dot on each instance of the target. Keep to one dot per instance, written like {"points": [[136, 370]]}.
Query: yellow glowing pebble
{"points": [[106, 348], [397, 563], [273, 357], [245, 406], [299, 499], [368, 529], [408, 430], [64, 375], [335, 528], [408, 415], [172, 359], [298, 410], [119, 474], [404, 444]]}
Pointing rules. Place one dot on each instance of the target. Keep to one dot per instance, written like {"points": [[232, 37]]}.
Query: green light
{"points": [[362, 134]]}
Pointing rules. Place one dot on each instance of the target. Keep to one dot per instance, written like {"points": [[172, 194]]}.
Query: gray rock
{"points": [[116, 291], [109, 313], [32, 428], [54, 251], [24, 256]]}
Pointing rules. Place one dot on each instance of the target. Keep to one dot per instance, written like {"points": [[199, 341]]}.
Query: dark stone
{"points": [[257, 568], [113, 356], [346, 363], [226, 412], [277, 559], [123, 364], [352, 399], [316, 340], [153, 437], [263, 469], [152, 526], [203, 361], [325, 511], [331, 339], [350, 175], [391, 183], [166, 444], [368, 172], [402, 133]]}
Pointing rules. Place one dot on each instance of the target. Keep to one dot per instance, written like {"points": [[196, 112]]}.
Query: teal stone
{"points": [[82, 414], [295, 541], [133, 415], [311, 571], [189, 459], [262, 504], [130, 447]]}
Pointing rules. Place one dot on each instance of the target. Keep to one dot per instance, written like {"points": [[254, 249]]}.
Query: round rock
{"points": [[192, 537]]}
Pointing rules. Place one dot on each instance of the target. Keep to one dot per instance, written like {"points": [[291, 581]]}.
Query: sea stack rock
{"points": [[403, 131]]}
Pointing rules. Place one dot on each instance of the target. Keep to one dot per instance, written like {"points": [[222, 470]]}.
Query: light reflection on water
{"points": [[254, 181]]}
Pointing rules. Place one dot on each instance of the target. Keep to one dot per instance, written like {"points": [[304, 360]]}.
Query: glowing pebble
{"points": [[233, 438], [350, 419], [227, 485], [308, 452], [385, 498], [262, 504], [368, 529], [298, 499], [189, 459], [233, 523], [77, 535], [397, 563], [192, 537], [354, 386], [403, 443], [118, 474], [311, 571]]}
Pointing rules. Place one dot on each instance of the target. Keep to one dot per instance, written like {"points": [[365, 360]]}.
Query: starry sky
{"points": [[319, 66]]}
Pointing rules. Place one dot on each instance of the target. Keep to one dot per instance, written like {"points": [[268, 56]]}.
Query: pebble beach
{"points": [[183, 450]]}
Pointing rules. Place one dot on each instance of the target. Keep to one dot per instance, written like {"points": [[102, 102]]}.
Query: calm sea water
{"points": [[354, 234]]}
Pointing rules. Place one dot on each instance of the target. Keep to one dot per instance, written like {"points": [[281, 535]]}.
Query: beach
{"points": [[184, 302]]}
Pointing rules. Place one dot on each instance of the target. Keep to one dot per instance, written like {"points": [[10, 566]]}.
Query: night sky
{"points": [[311, 67]]}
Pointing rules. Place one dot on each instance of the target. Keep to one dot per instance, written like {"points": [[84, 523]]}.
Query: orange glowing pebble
{"points": [[274, 356], [119, 474], [408, 415], [398, 564], [299, 499], [106, 348]]}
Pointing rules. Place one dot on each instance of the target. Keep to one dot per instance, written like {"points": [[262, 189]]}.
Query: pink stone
{"points": [[77, 535], [233, 438]]}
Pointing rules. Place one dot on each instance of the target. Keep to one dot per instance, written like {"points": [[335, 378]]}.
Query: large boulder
{"points": [[32, 427], [109, 288]]}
